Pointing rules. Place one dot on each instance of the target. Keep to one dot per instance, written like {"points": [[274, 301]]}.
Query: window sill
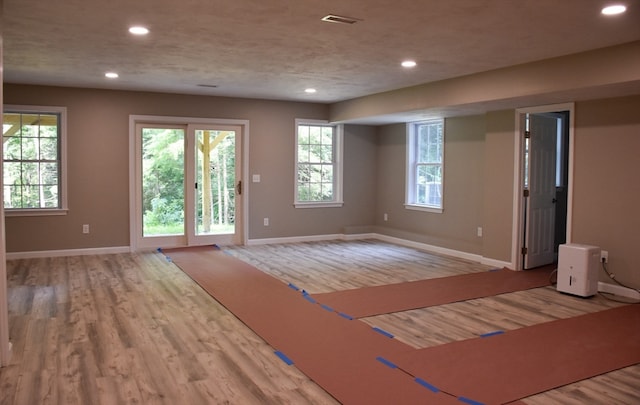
{"points": [[318, 205], [35, 212], [423, 208]]}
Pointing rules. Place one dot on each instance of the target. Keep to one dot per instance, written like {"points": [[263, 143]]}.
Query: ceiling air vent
{"points": [[340, 19]]}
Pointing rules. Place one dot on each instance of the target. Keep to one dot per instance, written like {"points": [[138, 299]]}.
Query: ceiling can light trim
{"points": [[139, 30], [614, 9], [339, 19]]}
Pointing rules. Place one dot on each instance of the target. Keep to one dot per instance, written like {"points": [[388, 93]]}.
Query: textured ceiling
{"points": [[274, 49]]}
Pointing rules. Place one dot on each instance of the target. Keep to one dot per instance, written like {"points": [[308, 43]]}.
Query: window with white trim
{"points": [[425, 165], [318, 164], [34, 160]]}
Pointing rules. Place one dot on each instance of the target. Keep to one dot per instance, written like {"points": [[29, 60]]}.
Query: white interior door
{"points": [[540, 181]]}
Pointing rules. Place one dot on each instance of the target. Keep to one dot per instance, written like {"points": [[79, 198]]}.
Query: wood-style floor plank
{"points": [[134, 329]]}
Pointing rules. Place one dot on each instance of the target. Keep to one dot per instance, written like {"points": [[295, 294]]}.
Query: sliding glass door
{"points": [[187, 184], [163, 173], [217, 183]]}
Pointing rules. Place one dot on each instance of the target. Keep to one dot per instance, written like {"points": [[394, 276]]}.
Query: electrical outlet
{"points": [[85, 228], [479, 232], [386, 217], [604, 256], [266, 222]]}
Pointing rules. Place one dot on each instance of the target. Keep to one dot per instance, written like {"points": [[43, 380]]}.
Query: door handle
{"points": [[239, 187]]}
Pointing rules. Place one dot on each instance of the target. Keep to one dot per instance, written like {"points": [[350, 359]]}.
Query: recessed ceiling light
{"points": [[139, 30], [310, 91], [111, 75], [340, 19], [614, 9], [409, 63]]}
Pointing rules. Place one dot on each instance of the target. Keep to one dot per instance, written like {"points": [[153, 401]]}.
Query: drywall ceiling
{"points": [[275, 49]]}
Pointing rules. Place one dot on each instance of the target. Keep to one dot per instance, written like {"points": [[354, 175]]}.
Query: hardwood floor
{"points": [[134, 329]]}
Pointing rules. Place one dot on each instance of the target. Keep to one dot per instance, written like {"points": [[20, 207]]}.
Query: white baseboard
{"points": [[444, 251], [618, 290], [6, 361], [68, 252], [385, 238], [360, 236], [430, 248], [295, 239], [268, 241], [496, 263]]}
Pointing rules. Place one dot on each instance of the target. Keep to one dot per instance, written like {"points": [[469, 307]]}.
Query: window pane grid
{"points": [[428, 184], [426, 165], [316, 160], [430, 142], [31, 157]]}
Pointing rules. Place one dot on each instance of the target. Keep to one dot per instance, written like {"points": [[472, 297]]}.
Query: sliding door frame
{"points": [[134, 120]]}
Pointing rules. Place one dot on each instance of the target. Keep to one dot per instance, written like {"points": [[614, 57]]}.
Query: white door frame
{"points": [[518, 177], [153, 119], [5, 345]]}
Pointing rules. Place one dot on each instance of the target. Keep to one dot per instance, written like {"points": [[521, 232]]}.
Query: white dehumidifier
{"points": [[578, 269]]}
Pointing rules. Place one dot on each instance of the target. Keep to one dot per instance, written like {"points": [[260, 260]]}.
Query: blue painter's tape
{"points": [[386, 362], [349, 317], [168, 258], [283, 357], [469, 401], [308, 298], [489, 334], [159, 250], [426, 385], [383, 332], [293, 287], [326, 307], [304, 292], [216, 247], [495, 270]]}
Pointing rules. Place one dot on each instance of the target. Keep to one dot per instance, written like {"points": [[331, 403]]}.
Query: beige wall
{"points": [[607, 183], [456, 227], [98, 160], [273, 197], [479, 182], [390, 177], [499, 155], [479, 159]]}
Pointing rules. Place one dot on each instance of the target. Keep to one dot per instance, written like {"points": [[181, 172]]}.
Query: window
{"points": [[33, 160], [425, 165], [318, 164]]}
